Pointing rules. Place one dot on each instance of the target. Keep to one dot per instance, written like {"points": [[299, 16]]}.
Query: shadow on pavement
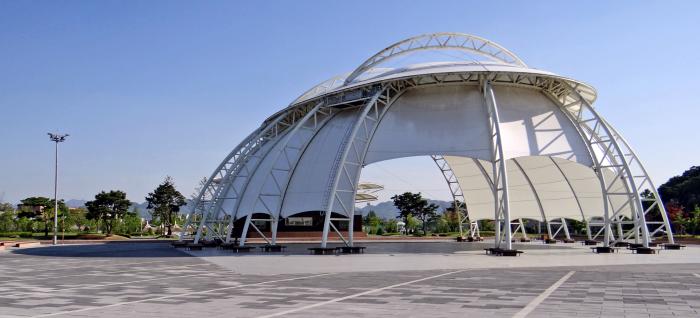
{"points": [[105, 250]]}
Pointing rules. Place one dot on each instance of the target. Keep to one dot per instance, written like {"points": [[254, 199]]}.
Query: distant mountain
{"points": [[74, 203], [387, 210]]}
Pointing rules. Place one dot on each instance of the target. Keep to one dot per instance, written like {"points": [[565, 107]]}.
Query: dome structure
{"points": [[512, 142]]}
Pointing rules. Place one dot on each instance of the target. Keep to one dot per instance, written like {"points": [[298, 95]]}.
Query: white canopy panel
{"points": [[452, 120], [564, 188]]}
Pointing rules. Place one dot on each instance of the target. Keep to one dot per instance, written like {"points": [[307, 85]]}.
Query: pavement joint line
{"points": [[539, 299], [39, 267], [335, 300], [177, 295], [696, 275], [106, 285], [93, 265], [97, 274]]}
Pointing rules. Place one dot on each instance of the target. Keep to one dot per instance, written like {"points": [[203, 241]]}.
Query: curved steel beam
{"points": [[284, 144], [498, 162], [357, 143], [439, 41], [322, 88], [230, 166], [597, 134], [455, 190]]}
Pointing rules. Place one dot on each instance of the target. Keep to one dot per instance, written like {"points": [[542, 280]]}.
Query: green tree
{"points": [[165, 202], [76, 218], [413, 204], [8, 217], [684, 189], [6, 207], [41, 209], [8, 221], [371, 221], [108, 207], [452, 217]]}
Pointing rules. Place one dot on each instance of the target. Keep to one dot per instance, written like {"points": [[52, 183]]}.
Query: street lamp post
{"points": [[56, 138]]}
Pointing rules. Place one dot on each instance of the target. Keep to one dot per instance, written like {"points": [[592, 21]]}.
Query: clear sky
{"points": [[154, 88]]}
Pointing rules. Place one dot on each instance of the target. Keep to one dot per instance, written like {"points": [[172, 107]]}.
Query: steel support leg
{"points": [[500, 175], [244, 234], [273, 226], [351, 225], [566, 228], [522, 228], [326, 229]]}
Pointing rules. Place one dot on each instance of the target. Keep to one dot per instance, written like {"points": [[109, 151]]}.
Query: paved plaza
{"points": [[436, 279]]}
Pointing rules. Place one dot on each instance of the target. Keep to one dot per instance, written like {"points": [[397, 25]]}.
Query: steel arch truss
{"points": [[285, 162], [459, 201], [439, 41], [499, 187], [208, 204], [611, 152], [346, 172], [607, 149]]}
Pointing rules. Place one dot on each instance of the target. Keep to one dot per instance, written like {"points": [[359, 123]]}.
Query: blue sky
{"points": [[154, 88]]}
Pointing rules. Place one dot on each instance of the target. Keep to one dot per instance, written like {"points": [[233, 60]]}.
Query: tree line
{"points": [[107, 213]]}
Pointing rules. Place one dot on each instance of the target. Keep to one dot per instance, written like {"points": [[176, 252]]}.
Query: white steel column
{"points": [[522, 228], [354, 149], [500, 176], [280, 164], [340, 165], [566, 228], [599, 136], [246, 225]]}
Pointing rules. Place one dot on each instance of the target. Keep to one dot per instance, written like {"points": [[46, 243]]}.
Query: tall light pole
{"points": [[56, 138]]}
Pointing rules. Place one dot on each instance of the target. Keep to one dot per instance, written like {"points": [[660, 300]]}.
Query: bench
{"points": [[228, 246], [177, 244], [569, 241], [644, 250], [604, 249], [272, 248], [351, 249], [525, 240], [194, 247], [501, 252], [241, 249], [550, 241], [590, 242], [212, 243], [673, 246], [322, 250]]}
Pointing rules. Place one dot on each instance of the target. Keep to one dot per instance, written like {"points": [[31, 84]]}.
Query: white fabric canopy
{"points": [[540, 188]]}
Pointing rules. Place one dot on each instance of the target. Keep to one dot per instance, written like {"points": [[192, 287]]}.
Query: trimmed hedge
{"points": [[17, 234], [90, 236]]}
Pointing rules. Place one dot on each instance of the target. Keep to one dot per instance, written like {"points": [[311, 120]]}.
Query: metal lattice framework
{"points": [[458, 199], [439, 41], [616, 166]]}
